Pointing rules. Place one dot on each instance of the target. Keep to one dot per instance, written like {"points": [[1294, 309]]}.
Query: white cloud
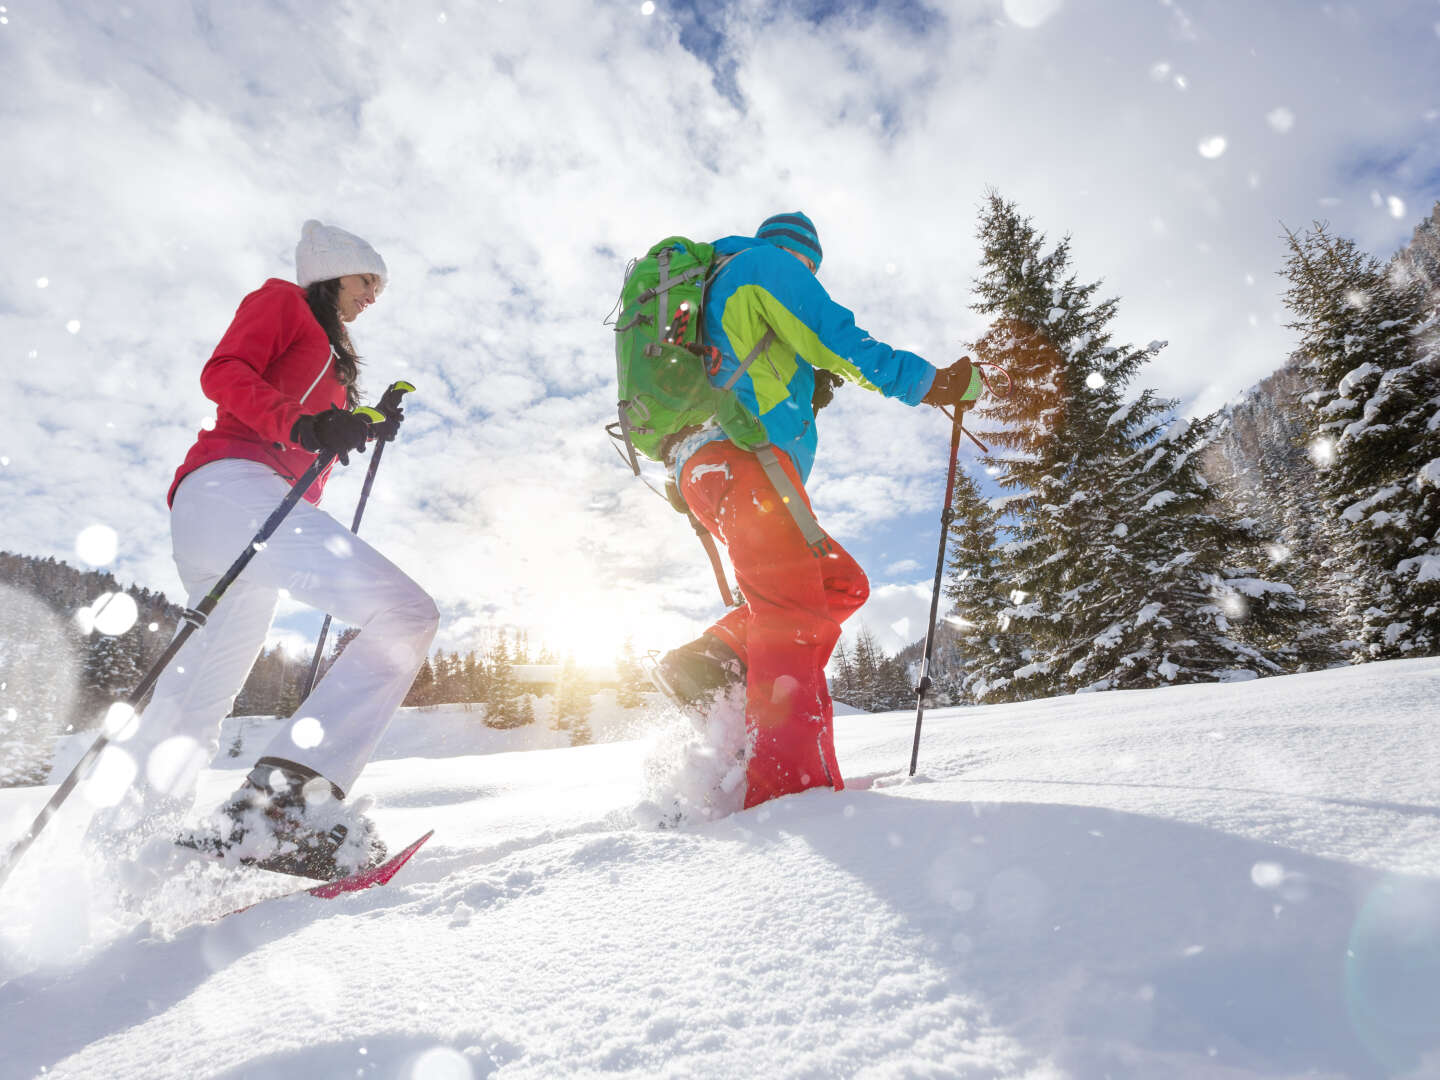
{"points": [[509, 159], [895, 615]]}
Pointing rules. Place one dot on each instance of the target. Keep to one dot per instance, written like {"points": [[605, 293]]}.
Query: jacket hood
{"points": [[729, 245]]}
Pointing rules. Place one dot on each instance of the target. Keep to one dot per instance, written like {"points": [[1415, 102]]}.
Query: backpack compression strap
{"points": [[815, 537]]}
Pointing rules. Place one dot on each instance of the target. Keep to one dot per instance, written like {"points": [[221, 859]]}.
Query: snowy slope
{"points": [[1203, 882]]}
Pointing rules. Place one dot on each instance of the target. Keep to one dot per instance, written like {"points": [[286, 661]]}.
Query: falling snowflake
{"points": [[121, 722], [1267, 875], [97, 544], [1212, 147], [307, 732], [1031, 13], [1280, 119], [441, 1062], [112, 614], [110, 778]]}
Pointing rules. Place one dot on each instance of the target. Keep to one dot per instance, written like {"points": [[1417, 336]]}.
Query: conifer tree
{"points": [[1116, 558], [111, 672], [867, 671], [472, 678], [422, 690], [1372, 354], [842, 683], [993, 645], [894, 688], [632, 681], [1262, 467], [504, 707], [450, 678], [572, 703]]}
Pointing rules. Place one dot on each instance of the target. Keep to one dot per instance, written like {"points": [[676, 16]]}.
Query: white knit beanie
{"points": [[326, 251]]}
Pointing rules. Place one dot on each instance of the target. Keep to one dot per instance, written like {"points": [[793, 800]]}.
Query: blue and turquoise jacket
{"points": [[765, 288]]}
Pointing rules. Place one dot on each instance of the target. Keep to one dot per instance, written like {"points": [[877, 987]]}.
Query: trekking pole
{"points": [[923, 687], [194, 619], [957, 430], [388, 400]]}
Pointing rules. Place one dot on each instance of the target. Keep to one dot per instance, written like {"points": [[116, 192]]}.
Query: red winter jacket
{"points": [[272, 366]]}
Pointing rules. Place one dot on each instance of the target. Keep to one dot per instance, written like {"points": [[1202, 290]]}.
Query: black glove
{"points": [[386, 431], [956, 385], [334, 430]]}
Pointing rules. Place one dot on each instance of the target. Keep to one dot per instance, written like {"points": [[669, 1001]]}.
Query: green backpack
{"points": [[661, 361]]}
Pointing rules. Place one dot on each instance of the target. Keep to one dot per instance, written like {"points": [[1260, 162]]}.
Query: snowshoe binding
{"points": [[291, 820]]}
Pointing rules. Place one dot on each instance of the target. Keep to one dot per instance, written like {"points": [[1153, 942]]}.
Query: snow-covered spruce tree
{"points": [[993, 645], [1261, 465], [893, 686], [111, 672], [422, 689], [867, 659], [1369, 335], [1116, 552], [842, 681], [504, 708], [572, 704], [473, 678], [1421, 256], [629, 694]]}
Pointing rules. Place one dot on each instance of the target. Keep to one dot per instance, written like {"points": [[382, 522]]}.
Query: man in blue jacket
{"points": [[775, 327]]}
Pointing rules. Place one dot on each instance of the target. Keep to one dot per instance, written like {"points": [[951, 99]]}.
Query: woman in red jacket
{"points": [[283, 379]]}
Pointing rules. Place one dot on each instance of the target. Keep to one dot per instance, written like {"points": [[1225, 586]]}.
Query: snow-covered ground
{"points": [[1203, 882]]}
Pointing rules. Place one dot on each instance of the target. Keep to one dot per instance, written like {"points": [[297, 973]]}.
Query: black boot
{"points": [[698, 674], [290, 819]]}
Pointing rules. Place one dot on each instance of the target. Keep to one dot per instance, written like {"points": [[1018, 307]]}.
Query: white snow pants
{"points": [[217, 510]]}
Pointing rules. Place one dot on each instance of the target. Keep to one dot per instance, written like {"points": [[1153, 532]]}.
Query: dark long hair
{"points": [[324, 300]]}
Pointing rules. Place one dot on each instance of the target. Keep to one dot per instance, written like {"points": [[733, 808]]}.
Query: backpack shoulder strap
{"points": [[760, 346], [754, 354]]}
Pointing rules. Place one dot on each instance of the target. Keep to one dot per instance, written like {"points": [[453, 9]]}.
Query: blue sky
{"points": [[508, 158]]}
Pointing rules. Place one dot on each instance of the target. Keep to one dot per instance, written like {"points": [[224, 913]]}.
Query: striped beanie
{"points": [[794, 231]]}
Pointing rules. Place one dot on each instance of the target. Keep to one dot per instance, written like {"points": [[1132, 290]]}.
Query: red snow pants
{"points": [[795, 601]]}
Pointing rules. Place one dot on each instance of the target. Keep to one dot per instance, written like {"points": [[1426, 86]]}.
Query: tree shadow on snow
{"points": [[1119, 944]]}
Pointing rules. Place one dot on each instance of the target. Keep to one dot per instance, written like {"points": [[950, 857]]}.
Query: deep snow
{"points": [[1220, 881]]}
